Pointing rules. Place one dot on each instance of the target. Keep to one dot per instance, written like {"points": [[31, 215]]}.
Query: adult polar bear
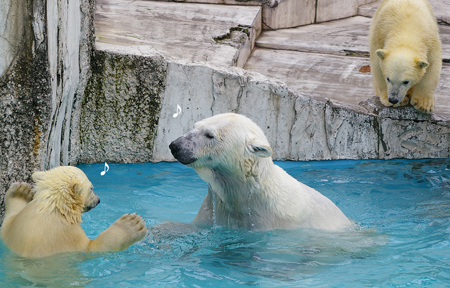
{"points": [[232, 154], [405, 53], [45, 220]]}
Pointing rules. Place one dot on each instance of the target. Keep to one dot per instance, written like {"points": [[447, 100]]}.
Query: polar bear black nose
{"points": [[182, 150], [393, 100], [174, 148]]}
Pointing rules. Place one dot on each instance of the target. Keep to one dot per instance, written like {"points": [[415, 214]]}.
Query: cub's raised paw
{"points": [[133, 226], [20, 190], [425, 105]]}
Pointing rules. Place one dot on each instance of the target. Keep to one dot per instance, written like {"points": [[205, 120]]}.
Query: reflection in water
{"points": [[60, 270]]}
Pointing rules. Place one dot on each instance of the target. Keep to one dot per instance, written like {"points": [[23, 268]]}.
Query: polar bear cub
{"points": [[45, 219], [246, 189], [405, 53]]}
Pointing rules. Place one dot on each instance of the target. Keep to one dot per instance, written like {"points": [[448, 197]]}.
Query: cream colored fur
{"points": [[46, 219], [405, 47], [246, 189]]}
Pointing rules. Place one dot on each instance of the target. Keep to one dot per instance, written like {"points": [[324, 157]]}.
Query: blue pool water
{"points": [[402, 209]]}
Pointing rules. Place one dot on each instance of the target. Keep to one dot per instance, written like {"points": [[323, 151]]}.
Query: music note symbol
{"points": [[178, 112], [106, 169]]}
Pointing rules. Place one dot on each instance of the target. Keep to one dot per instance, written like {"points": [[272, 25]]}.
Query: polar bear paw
{"points": [[404, 102], [132, 227], [423, 104], [384, 100], [19, 191]]}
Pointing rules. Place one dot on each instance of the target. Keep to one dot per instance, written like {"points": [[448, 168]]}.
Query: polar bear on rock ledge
{"points": [[405, 53], [232, 154]]}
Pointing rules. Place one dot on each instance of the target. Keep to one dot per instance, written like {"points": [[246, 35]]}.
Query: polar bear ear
{"points": [[381, 53], [38, 176], [77, 188], [260, 149], [422, 64]]}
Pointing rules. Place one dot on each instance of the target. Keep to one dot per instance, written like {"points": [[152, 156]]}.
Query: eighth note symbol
{"points": [[106, 169], [178, 112]]}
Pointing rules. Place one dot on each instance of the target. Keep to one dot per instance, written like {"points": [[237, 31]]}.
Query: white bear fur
{"points": [[405, 53], [246, 189]]}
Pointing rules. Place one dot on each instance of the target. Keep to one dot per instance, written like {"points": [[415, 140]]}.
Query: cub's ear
{"points": [[38, 176], [260, 149], [381, 53], [422, 64], [77, 188]]}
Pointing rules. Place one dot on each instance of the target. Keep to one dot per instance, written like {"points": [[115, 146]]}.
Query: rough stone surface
{"points": [[288, 13], [298, 126], [24, 105], [340, 79], [328, 10], [14, 28], [39, 89], [334, 77], [121, 107], [70, 41], [341, 37], [440, 8], [183, 31]]}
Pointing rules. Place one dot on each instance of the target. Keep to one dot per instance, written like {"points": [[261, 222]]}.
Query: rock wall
{"points": [[298, 126], [279, 14], [43, 70], [120, 109]]}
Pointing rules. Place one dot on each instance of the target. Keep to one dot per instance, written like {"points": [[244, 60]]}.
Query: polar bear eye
{"points": [[209, 135], [388, 79], [406, 82]]}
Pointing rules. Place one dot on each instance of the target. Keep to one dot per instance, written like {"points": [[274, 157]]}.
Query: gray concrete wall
{"points": [[328, 10], [278, 14], [120, 109], [298, 126]]}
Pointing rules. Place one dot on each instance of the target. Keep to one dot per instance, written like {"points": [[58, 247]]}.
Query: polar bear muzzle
{"points": [[183, 149]]}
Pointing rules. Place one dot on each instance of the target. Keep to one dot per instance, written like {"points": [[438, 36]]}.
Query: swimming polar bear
{"points": [[246, 189], [45, 219]]}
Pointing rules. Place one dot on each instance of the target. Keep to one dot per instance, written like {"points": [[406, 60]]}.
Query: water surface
{"points": [[401, 207]]}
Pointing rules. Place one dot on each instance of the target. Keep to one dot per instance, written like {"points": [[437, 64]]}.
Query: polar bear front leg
{"points": [[380, 86], [423, 103], [127, 230], [384, 98], [423, 98]]}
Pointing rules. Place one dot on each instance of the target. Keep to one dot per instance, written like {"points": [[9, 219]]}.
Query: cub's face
{"points": [[222, 142], [86, 191], [401, 70], [65, 188]]}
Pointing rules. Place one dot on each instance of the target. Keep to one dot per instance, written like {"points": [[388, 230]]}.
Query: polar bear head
{"points": [[66, 190], [402, 69], [226, 144]]}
